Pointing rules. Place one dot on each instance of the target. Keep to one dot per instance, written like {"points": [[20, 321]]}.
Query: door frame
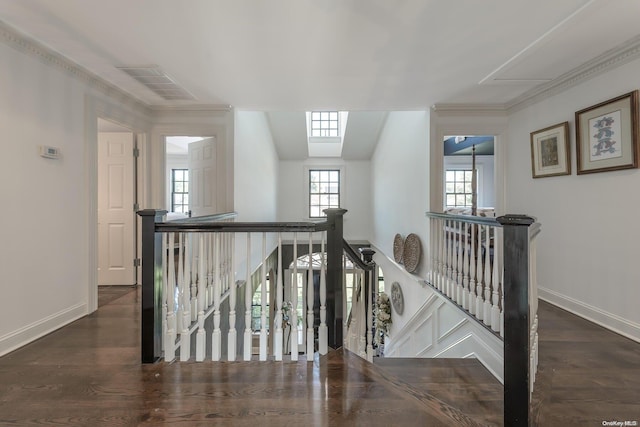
{"points": [[134, 184], [132, 117]]}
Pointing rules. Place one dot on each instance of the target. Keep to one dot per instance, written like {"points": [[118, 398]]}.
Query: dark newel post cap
{"points": [[158, 213], [367, 254], [514, 219], [334, 211]]}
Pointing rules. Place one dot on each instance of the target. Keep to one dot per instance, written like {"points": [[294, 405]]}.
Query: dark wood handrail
{"points": [[240, 227], [466, 218], [209, 218], [355, 258]]}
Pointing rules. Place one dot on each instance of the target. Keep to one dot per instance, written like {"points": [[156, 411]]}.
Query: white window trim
{"points": [[466, 167], [343, 180]]}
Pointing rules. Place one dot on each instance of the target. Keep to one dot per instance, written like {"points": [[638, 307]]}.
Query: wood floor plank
{"points": [[88, 374]]}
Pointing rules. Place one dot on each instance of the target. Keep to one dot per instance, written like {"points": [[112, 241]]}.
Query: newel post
{"points": [[516, 319], [334, 276], [151, 337], [371, 291]]}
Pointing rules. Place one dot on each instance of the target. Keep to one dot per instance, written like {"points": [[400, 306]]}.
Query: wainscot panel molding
{"points": [[456, 336]]}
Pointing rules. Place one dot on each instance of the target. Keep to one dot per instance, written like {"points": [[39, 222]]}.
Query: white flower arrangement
{"points": [[382, 314]]}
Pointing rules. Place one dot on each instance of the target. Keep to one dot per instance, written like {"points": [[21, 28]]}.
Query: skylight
{"points": [[325, 132]]}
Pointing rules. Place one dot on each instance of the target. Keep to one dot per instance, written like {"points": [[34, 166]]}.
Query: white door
{"points": [[202, 177], [116, 240]]}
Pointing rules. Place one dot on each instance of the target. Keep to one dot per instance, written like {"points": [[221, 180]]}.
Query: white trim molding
{"points": [[40, 328], [440, 330], [593, 314]]}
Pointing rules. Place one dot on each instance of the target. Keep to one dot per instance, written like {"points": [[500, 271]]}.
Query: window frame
{"points": [[307, 180], [173, 192], [325, 124]]}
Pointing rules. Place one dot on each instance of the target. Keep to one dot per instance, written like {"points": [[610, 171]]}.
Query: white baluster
{"points": [[310, 338], [185, 340], [170, 337], [323, 332], [186, 298], [344, 300], [248, 288], [193, 270], [432, 251], [279, 294], [497, 263], [293, 316], [180, 286], [211, 270], [472, 270], [263, 301], [165, 289], [440, 235], [479, 277], [367, 321], [465, 267], [232, 337], [216, 335], [459, 257], [486, 314], [450, 262], [202, 279], [362, 317]]}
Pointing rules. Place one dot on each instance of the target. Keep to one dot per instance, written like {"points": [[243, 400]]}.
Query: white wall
{"points": [[256, 168], [588, 248], [484, 164], [400, 181], [293, 202], [255, 182], [49, 216]]}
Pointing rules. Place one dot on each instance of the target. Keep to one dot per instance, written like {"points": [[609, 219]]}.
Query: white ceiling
{"points": [[357, 55]]}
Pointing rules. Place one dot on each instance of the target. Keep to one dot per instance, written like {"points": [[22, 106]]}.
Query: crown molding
{"points": [[29, 46], [613, 58], [470, 109], [197, 108]]}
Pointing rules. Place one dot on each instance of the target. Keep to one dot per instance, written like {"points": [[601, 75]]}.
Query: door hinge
{"points": [[136, 207], [136, 262], [136, 152]]}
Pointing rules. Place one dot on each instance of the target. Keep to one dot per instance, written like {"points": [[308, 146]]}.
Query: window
{"points": [[180, 190], [325, 123], [324, 191], [256, 307], [458, 189]]}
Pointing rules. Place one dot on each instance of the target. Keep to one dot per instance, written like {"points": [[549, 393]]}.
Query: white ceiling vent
{"points": [[159, 82]]}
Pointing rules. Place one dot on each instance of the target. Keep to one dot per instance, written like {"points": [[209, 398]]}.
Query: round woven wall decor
{"points": [[398, 248], [397, 300], [411, 253]]}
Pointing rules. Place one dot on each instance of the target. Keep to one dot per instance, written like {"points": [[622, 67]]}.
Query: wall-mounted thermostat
{"points": [[49, 152]]}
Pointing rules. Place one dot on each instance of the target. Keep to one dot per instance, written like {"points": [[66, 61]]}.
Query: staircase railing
{"points": [[488, 268], [189, 271], [359, 321]]}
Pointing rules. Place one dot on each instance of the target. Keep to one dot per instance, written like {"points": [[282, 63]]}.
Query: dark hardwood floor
{"points": [[88, 374]]}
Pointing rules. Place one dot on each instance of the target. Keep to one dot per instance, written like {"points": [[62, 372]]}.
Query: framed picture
{"points": [[607, 135], [550, 154]]}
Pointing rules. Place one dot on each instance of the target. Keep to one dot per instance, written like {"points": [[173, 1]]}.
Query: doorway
{"points": [[117, 205], [461, 188], [190, 176]]}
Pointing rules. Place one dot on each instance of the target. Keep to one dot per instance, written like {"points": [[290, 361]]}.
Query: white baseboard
{"points": [[35, 330], [593, 314]]}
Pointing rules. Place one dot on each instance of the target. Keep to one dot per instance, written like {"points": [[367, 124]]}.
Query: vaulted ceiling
{"points": [[289, 56]]}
